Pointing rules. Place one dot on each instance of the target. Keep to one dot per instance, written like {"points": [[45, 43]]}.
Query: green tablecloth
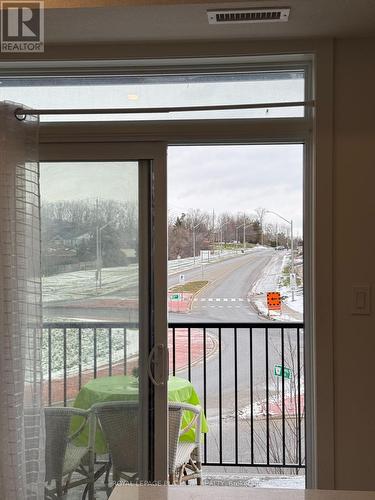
{"points": [[124, 388]]}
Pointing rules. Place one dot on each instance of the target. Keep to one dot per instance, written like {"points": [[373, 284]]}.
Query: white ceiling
{"points": [[308, 18]]}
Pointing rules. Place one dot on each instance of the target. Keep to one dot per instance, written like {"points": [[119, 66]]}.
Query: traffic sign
{"points": [[175, 297], [274, 301], [278, 370]]}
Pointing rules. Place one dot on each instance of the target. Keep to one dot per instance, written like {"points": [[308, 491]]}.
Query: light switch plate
{"points": [[361, 299]]}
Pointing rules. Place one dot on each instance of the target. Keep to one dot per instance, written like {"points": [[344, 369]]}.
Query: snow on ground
{"points": [[82, 284], [86, 353], [297, 303], [250, 480], [271, 281], [290, 482]]}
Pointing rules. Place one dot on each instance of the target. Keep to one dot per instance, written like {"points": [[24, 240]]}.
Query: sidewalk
{"points": [[270, 282]]}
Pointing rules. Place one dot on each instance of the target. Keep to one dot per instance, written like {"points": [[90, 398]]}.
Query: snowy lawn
{"points": [[120, 345]]}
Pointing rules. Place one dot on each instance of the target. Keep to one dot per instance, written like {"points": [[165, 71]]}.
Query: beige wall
{"points": [[354, 252]]}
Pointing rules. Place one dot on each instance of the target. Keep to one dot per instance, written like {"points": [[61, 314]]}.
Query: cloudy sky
{"points": [[236, 179], [224, 178]]}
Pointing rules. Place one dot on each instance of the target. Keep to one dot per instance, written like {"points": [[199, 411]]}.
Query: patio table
{"points": [[125, 388]]}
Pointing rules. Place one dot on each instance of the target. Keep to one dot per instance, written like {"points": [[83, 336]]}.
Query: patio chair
{"points": [[63, 457], [184, 457], [118, 421]]}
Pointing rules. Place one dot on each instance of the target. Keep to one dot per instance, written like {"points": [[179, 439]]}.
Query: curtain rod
{"points": [[21, 113]]}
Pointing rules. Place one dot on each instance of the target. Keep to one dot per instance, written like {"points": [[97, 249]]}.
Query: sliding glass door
{"points": [[104, 281]]}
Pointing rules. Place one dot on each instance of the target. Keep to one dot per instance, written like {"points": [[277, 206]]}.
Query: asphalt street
{"points": [[225, 299]]}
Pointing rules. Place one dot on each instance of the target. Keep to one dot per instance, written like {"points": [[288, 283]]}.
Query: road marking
{"points": [[219, 299]]}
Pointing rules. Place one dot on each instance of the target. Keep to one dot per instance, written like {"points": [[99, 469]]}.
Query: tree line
{"points": [[69, 231], [211, 231]]}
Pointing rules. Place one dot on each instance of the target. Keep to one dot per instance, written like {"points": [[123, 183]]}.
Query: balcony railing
{"points": [[249, 377]]}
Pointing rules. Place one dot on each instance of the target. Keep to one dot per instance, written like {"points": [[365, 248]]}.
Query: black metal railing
{"points": [[249, 377]]}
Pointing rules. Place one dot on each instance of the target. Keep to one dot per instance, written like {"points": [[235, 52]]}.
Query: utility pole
{"points": [[290, 222], [194, 243], [97, 244], [221, 235], [292, 246], [244, 232], [277, 236]]}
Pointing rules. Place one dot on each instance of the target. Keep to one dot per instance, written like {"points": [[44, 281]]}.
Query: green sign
{"points": [[175, 297], [278, 370]]}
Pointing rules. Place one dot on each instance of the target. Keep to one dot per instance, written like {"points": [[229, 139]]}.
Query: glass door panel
{"points": [[100, 344]]}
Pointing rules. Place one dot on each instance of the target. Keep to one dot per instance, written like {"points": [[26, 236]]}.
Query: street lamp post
{"points": [[194, 242], [290, 222], [221, 234], [244, 232], [99, 257], [238, 234]]}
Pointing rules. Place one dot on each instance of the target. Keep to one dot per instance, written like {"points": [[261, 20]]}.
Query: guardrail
{"points": [[249, 377]]}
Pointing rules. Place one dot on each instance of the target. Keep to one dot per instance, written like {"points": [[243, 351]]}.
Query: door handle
{"points": [[163, 358]]}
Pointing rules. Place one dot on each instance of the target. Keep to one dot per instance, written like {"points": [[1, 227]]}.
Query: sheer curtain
{"points": [[21, 411]]}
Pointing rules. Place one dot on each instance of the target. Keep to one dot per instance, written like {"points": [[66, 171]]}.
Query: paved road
{"points": [[225, 299]]}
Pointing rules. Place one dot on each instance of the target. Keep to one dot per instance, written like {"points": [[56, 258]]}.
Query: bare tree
{"points": [[260, 215]]}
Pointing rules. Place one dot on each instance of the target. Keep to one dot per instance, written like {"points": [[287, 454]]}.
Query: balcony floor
{"points": [[219, 478]]}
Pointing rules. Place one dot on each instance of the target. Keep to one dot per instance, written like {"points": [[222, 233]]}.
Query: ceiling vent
{"points": [[235, 16]]}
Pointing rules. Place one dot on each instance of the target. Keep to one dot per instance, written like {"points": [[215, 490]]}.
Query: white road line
{"points": [[219, 299]]}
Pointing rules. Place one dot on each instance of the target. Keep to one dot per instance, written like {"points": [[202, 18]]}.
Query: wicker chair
{"points": [[184, 457], [63, 457], [118, 421]]}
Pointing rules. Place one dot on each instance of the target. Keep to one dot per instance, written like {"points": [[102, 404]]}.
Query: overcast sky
{"points": [[237, 179]]}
